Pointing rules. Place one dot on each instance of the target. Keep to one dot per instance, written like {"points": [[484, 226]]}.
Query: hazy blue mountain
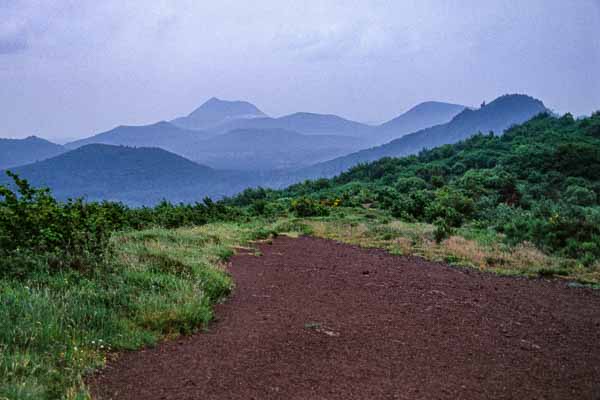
{"points": [[496, 116], [15, 152], [421, 116], [302, 122], [266, 149], [162, 134], [136, 176], [216, 111], [240, 149]]}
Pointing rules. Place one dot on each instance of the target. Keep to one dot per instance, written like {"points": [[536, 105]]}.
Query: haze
{"points": [[72, 68]]}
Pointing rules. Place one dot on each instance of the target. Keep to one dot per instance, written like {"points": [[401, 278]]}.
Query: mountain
{"points": [[216, 111], [421, 116], [136, 176], [302, 122], [253, 149], [496, 116], [162, 134], [15, 152], [269, 149]]}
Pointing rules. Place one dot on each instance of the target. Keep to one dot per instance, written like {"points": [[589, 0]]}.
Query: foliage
{"points": [[306, 207], [539, 182], [55, 328]]}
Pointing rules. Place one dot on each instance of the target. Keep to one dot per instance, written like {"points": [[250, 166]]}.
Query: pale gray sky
{"points": [[69, 68]]}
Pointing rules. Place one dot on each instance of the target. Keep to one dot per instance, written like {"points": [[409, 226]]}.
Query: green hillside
{"points": [[93, 278], [539, 182]]}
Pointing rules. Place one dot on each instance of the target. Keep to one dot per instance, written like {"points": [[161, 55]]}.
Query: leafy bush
{"points": [[40, 234], [306, 207], [450, 205], [442, 231], [580, 196], [34, 227]]}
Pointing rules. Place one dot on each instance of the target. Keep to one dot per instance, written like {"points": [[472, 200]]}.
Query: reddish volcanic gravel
{"points": [[315, 319]]}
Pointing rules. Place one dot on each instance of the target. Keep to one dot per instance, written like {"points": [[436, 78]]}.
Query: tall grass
{"points": [[56, 328]]}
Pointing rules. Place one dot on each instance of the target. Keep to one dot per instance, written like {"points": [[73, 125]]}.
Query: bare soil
{"points": [[316, 319]]}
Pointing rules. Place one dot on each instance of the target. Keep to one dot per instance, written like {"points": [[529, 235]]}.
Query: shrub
{"points": [[34, 226], [442, 231], [450, 205], [579, 195], [306, 207]]}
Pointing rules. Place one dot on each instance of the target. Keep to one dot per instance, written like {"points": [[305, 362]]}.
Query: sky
{"points": [[69, 69]]}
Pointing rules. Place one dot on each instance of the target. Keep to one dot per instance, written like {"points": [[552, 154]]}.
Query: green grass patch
{"points": [[56, 328]]}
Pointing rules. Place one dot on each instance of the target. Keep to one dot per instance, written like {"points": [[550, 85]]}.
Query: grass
{"points": [[55, 329], [467, 247]]}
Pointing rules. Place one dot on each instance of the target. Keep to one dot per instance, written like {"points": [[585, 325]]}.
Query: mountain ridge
{"points": [[161, 134], [420, 116], [17, 152], [270, 149], [216, 111], [497, 116], [134, 175]]}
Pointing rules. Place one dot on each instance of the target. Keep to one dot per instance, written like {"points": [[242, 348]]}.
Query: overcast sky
{"points": [[72, 68]]}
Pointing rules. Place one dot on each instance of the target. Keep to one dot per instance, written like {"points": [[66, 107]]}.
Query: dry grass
{"points": [[468, 248]]}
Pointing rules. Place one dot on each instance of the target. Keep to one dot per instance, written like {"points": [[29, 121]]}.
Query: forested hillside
{"points": [[539, 182]]}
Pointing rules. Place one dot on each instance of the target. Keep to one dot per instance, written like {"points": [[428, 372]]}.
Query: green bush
{"points": [[442, 231], [306, 207], [37, 230], [580, 196], [450, 205]]}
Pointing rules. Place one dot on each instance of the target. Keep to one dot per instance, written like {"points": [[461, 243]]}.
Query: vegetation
{"points": [[81, 279], [538, 183]]}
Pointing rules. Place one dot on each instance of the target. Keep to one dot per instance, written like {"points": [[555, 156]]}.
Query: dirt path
{"points": [[314, 319]]}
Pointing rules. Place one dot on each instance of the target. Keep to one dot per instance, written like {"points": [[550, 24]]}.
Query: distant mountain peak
{"points": [[16, 152], [496, 116], [216, 111], [515, 98], [421, 116], [230, 108]]}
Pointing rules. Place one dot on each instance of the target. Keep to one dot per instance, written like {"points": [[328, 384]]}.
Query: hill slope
{"points": [[216, 111], [421, 116], [15, 152], [305, 123], [538, 183], [137, 176], [162, 134], [497, 116], [268, 149]]}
